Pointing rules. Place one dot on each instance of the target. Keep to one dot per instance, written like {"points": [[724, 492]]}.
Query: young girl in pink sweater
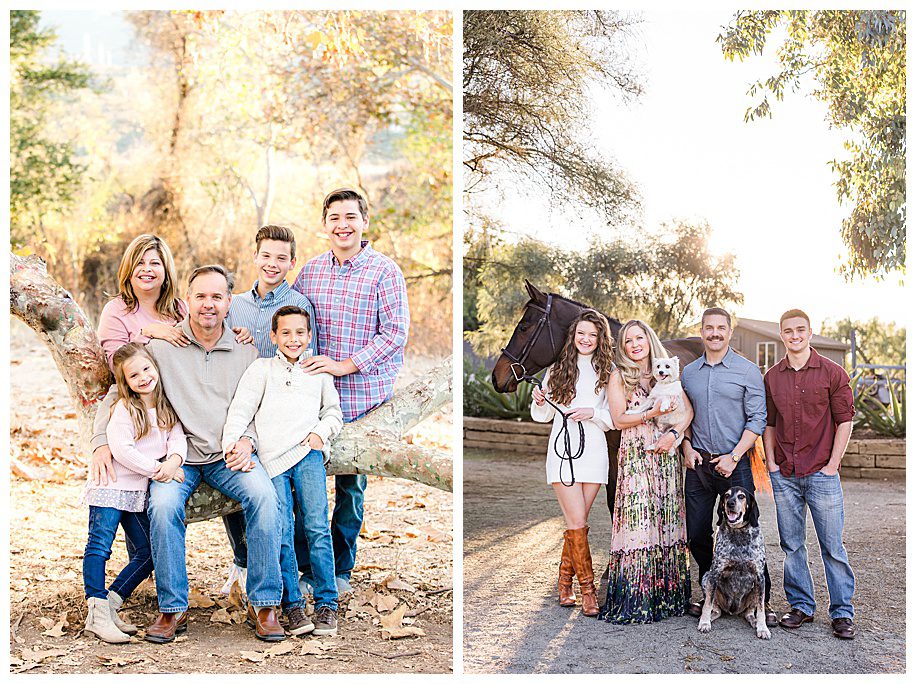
{"points": [[147, 441]]}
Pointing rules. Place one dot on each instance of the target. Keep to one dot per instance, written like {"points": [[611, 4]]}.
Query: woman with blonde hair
{"points": [[147, 304], [647, 573], [577, 463]]}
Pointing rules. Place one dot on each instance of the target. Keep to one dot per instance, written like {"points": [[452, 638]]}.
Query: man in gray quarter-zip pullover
{"points": [[199, 381]]}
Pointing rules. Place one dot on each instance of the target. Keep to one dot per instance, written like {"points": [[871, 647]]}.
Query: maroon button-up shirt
{"points": [[806, 406]]}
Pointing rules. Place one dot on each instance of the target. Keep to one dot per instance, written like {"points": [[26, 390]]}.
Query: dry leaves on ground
{"points": [[392, 627]]}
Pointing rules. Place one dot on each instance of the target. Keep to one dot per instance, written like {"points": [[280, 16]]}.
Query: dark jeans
{"points": [[701, 504], [613, 447], [103, 526], [235, 529]]}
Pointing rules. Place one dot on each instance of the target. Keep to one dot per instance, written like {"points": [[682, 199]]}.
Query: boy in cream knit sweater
{"points": [[295, 415]]}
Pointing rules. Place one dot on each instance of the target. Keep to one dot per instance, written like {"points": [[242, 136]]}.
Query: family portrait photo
{"points": [[230, 342], [684, 341], [457, 341]]}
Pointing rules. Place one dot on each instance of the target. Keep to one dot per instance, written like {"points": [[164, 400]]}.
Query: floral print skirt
{"points": [[648, 569]]}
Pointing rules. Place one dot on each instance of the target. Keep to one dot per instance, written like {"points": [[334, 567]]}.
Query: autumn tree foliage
{"points": [[854, 62], [223, 121]]}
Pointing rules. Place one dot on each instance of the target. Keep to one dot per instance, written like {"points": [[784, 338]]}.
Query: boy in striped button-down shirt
{"points": [[274, 256], [360, 300]]}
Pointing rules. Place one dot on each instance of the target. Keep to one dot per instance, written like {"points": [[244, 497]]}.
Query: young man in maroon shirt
{"points": [[809, 421]]}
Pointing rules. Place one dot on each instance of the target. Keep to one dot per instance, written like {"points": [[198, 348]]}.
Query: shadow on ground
{"points": [[512, 623]]}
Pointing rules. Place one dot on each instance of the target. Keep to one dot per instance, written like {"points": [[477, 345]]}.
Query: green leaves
{"points": [[858, 62], [527, 74], [43, 174], [481, 400], [886, 420], [664, 277]]}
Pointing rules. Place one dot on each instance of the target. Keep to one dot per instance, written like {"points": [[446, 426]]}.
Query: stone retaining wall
{"points": [[505, 435], [864, 457], [875, 458]]}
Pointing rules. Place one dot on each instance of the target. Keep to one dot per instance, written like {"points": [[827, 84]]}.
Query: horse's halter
{"points": [[523, 355], [563, 434]]}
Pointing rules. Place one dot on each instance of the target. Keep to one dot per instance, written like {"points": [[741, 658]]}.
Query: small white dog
{"points": [[667, 388]]}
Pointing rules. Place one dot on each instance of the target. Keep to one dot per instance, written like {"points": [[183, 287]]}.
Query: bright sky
{"points": [[765, 187]]}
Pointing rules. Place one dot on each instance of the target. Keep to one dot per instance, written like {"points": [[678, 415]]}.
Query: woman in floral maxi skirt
{"points": [[648, 575]]}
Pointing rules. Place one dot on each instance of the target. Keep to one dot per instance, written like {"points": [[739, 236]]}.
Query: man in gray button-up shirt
{"points": [[726, 391]]}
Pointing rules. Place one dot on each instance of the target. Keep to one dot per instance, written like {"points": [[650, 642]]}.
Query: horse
{"points": [[537, 340]]}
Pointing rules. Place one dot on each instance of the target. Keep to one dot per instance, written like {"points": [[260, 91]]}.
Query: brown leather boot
{"points": [[265, 623], [166, 626], [565, 583], [582, 563]]}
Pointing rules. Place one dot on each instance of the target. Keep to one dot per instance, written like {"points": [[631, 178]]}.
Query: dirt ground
{"points": [[513, 624], [403, 576]]}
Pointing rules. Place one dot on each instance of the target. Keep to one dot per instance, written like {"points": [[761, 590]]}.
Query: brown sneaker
{"points": [[166, 626], [325, 621], [298, 622], [844, 629], [265, 623], [795, 619]]}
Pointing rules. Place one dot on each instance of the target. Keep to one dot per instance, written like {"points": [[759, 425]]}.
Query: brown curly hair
{"points": [[565, 371]]}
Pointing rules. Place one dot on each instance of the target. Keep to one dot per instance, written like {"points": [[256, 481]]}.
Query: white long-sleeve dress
{"points": [[592, 466]]}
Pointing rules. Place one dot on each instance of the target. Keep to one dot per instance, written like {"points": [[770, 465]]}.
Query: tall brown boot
{"points": [[565, 583], [582, 563]]}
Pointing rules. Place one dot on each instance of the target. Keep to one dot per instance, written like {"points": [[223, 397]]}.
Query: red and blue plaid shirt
{"points": [[362, 314]]}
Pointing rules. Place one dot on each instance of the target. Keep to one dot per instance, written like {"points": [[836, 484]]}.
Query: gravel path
{"points": [[512, 623]]}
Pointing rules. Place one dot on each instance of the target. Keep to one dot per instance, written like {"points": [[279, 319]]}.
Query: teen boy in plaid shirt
{"points": [[360, 301]]}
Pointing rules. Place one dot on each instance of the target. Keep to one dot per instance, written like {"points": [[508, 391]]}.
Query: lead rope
{"points": [[567, 455]]}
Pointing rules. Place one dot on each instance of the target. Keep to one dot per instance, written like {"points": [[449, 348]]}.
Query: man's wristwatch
{"points": [[736, 457]]}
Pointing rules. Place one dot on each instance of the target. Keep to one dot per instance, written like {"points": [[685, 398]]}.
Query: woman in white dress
{"points": [[576, 384]]}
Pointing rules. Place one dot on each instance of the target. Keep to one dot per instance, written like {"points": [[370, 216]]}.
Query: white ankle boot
{"points": [[235, 574], [114, 603], [99, 622]]}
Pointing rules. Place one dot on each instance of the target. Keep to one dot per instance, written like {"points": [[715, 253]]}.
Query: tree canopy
{"points": [[44, 174], [666, 278], [526, 79], [857, 60], [877, 342]]}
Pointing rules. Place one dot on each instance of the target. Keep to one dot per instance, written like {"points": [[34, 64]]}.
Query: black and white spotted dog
{"points": [[734, 583]]}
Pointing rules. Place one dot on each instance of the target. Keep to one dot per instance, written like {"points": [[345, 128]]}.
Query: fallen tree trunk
{"points": [[372, 445]]}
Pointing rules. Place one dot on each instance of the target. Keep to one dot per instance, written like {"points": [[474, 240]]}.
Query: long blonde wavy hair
{"points": [[166, 418], [168, 303], [565, 371], [629, 369]]}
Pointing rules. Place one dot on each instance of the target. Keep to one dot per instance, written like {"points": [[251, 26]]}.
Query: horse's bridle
{"points": [[523, 355]]}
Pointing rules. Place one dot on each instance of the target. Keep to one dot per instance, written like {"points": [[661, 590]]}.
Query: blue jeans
{"points": [[262, 519], [824, 496], [346, 522], [309, 478], [235, 529], [103, 526]]}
